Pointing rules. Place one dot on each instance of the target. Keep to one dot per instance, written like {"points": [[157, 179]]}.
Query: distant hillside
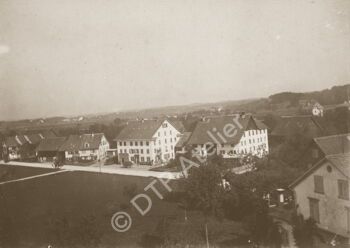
{"points": [[335, 95]]}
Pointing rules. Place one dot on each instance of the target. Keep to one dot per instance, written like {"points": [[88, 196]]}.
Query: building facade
{"points": [[86, 147], [322, 194], [147, 142], [230, 136]]}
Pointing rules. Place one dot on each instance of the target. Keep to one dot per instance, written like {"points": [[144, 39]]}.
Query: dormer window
{"points": [[86, 145]]}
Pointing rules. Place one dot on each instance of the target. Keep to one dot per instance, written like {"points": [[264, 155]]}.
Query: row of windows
{"points": [[343, 187], [131, 143], [251, 141], [166, 141], [245, 150], [142, 151], [254, 132], [165, 133], [137, 143]]}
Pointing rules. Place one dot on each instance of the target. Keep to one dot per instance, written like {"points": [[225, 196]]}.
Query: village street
{"points": [[142, 172]]}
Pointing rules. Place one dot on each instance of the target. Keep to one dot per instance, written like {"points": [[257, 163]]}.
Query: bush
{"points": [[150, 241], [127, 164]]}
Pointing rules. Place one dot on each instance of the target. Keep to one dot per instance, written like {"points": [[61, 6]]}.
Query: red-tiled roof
{"points": [[50, 144], [82, 142], [200, 134], [334, 144]]}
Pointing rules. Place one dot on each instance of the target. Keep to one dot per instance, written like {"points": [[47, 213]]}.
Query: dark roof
{"points": [[144, 129], [183, 139], [178, 125], [34, 138], [289, 125], [48, 134], [261, 124], [200, 134], [78, 142], [50, 144], [340, 161], [334, 144], [11, 142], [15, 141]]}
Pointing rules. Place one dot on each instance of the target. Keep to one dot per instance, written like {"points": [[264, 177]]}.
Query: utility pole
{"points": [[206, 234]]}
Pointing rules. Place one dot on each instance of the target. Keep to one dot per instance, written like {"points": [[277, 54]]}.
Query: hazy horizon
{"points": [[64, 58]]}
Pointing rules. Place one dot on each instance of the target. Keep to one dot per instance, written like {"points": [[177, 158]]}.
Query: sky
{"points": [[63, 57]]}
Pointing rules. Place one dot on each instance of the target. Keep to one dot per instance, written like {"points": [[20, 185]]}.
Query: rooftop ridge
{"points": [[333, 135]]}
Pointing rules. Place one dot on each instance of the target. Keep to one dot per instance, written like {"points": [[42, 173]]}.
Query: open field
{"points": [[9, 172], [33, 204]]}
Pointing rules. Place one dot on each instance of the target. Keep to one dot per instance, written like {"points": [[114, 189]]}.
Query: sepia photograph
{"points": [[174, 123]]}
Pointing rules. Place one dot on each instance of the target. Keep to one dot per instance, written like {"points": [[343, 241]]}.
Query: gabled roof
{"points": [[291, 124], [178, 125], [11, 142], [340, 161], [144, 129], [33, 138], [50, 144], [183, 139], [82, 142], [48, 134], [334, 144], [261, 125], [204, 130], [16, 141]]}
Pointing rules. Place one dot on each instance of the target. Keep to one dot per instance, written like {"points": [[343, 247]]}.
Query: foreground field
{"points": [[28, 208], [9, 172]]}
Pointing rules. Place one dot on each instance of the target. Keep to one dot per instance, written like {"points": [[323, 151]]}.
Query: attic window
{"points": [[86, 145], [164, 125]]}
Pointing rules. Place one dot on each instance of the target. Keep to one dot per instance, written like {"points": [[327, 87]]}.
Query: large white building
{"points": [[147, 142], [230, 136]]}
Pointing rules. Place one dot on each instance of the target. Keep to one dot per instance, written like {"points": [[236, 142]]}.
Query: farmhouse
{"points": [[322, 194], [85, 147], [311, 107], [23, 146], [147, 142], [50, 148], [231, 136]]}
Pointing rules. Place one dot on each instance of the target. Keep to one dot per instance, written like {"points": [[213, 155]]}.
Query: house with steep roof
{"points": [[231, 136], [321, 147], [322, 193], [22, 146], [311, 107], [147, 142], [85, 147], [50, 148]]}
